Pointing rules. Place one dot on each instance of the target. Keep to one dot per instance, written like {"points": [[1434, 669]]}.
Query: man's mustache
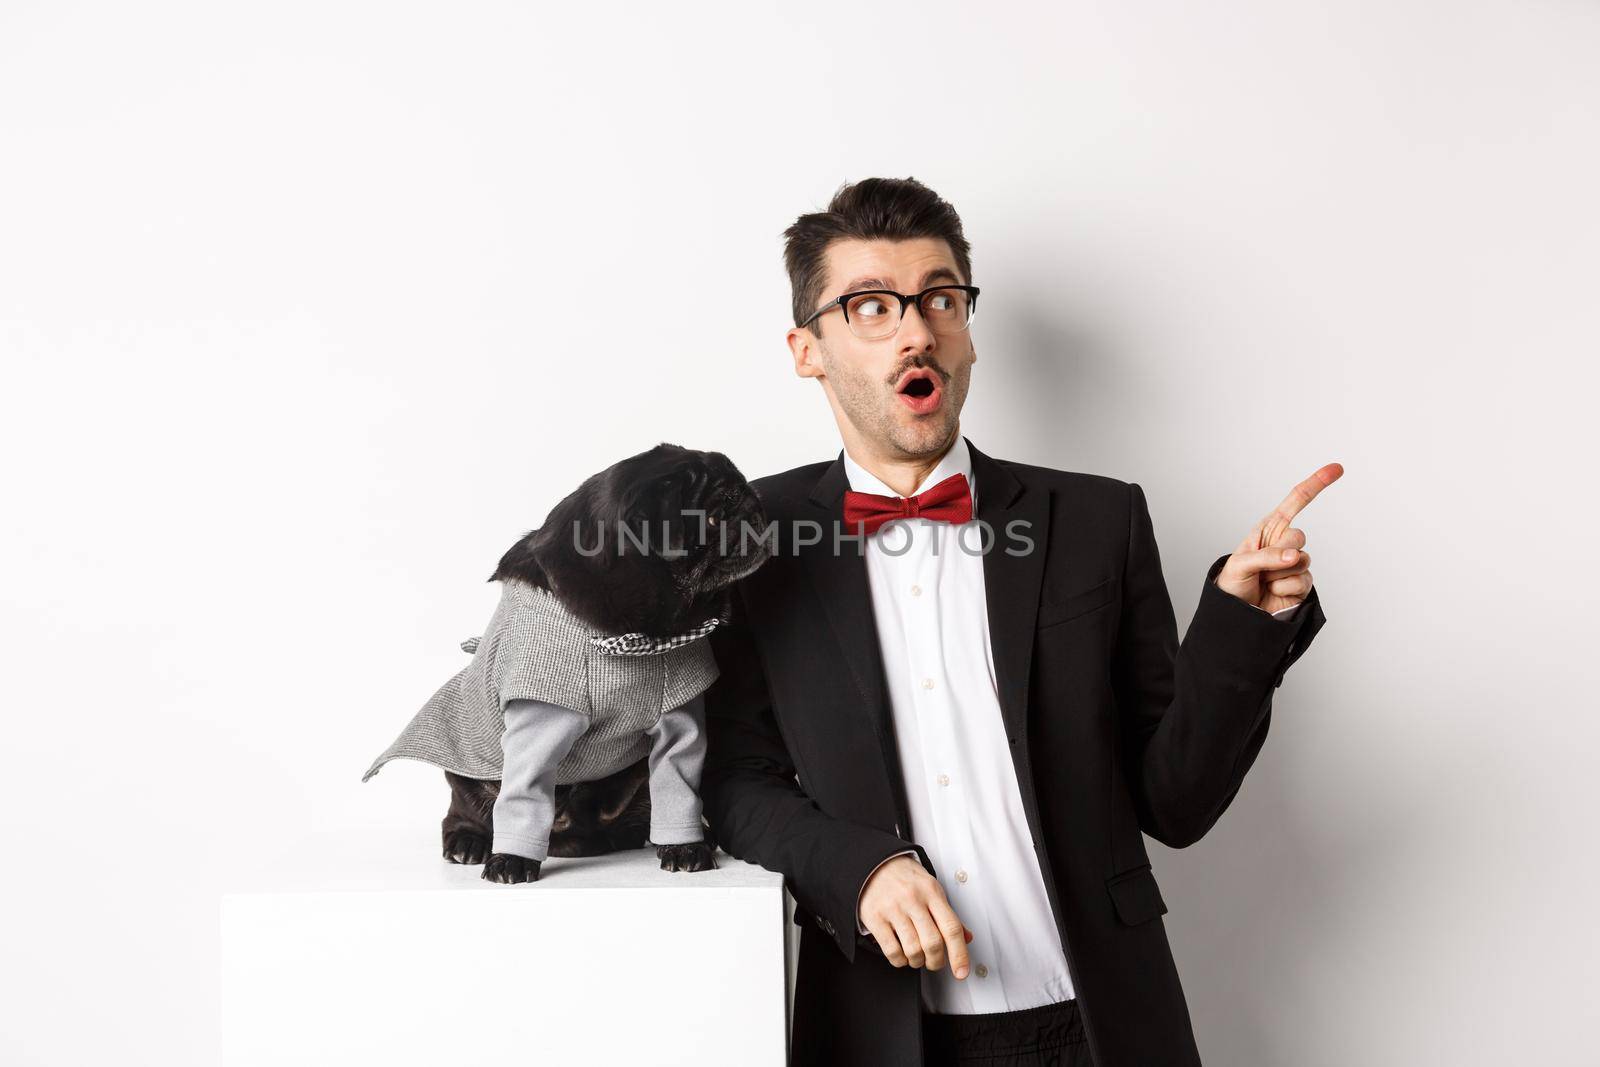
{"points": [[921, 364]]}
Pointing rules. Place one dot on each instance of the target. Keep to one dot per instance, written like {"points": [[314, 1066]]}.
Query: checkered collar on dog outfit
{"points": [[639, 644]]}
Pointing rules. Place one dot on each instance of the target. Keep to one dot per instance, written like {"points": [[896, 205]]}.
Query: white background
{"points": [[308, 311]]}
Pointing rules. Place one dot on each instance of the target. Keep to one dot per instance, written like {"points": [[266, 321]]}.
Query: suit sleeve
{"points": [[1193, 717], [756, 808]]}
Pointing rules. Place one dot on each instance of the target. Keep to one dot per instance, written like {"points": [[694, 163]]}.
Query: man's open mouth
{"points": [[921, 390]]}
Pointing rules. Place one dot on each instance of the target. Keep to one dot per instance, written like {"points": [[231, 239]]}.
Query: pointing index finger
{"points": [[1301, 495]]}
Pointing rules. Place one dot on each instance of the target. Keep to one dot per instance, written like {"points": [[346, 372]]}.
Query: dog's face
{"points": [[650, 544]]}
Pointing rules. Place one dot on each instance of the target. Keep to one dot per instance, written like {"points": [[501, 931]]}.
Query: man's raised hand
{"points": [[905, 909], [1271, 569]]}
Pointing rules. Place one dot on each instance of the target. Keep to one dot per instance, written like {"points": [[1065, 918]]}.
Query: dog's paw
{"points": [[504, 867], [693, 856], [465, 846]]}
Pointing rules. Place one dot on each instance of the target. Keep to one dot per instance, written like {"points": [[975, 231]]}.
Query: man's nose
{"points": [[914, 335]]}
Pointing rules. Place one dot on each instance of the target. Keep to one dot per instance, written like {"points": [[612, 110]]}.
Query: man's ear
{"points": [[804, 346]]}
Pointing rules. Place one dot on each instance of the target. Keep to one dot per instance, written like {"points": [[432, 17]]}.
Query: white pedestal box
{"points": [[388, 956]]}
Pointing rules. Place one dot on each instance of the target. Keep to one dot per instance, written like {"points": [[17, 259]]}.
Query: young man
{"points": [[948, 732]]}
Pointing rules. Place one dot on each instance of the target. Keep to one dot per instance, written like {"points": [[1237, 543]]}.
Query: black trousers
{"points": [[1050, 1035]]}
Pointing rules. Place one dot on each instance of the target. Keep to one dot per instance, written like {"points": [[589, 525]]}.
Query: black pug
{"points": [[597, 644]]}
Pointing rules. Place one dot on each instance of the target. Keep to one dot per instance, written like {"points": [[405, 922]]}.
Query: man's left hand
{"points": [[1271, 569]]}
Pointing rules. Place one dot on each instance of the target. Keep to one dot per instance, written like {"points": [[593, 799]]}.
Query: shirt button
{"points": [[961, 876], [916, 590], [927, 683], [944, 779], [983, 971]]}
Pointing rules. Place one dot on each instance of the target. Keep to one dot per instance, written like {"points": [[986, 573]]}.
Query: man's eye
{"points": [[940, 301], [869, 307]]}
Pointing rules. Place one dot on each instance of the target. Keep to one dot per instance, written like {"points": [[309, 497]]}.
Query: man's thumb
{"points": [[1269, 559]]}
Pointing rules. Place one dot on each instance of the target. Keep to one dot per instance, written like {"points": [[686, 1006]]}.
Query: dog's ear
{"points": [[570, 540], [540, 557], [521, 561]]}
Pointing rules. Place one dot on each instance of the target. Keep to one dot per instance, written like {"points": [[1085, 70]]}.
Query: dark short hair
{"points": [[893, 209]]}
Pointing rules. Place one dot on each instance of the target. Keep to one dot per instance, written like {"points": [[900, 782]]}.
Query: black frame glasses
{"points": [[839, 302]]}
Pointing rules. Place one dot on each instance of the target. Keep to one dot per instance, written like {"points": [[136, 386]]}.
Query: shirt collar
{"points": [[957, 459]]}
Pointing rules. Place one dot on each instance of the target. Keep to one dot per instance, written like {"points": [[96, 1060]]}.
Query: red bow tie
{"points": [[949, 501]]}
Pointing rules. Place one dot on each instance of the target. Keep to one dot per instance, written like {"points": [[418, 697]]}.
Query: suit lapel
{"points": [[840, 579], [1015, 514]]}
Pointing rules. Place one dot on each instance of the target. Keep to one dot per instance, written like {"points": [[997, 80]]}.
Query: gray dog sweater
{"points": [[535, 650]]}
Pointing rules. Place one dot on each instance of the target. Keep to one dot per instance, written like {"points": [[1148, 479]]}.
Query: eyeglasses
{"points": [[872, 315]]}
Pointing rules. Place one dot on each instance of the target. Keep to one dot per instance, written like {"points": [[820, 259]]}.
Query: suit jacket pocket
{"points": [[1052, 611], [1135, 895]]}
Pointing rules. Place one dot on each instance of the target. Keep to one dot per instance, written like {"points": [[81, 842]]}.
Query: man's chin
{"points": [[923, 435]]}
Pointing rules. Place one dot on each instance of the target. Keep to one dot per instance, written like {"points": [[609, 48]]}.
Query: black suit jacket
{"points": [[1116, 732]]}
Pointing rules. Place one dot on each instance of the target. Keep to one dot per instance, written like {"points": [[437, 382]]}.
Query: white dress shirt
{"points": [[961, 785]]}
